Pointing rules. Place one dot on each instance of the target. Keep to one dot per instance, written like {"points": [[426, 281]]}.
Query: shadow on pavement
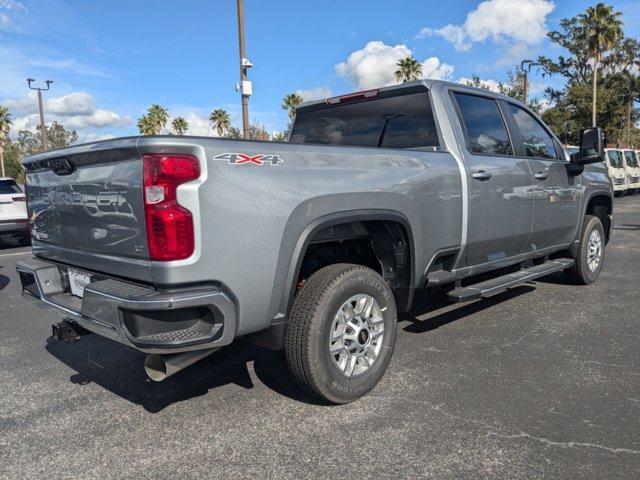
{"points": [[427, 308], [4, 281], [120, 369]]}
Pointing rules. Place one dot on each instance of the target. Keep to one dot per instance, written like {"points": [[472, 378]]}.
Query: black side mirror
{"points": [[591, 147]]}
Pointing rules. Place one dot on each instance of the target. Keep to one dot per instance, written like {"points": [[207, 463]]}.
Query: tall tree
{"points": [[408, 69], [147, 125], [220, 121], [159, 116], [290, 103], [602, 29], [5, 126], [180, 126]]}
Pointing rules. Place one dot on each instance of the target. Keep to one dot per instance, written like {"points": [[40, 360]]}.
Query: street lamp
{"points": [[525, 66], [41, 107], [244, 86]]}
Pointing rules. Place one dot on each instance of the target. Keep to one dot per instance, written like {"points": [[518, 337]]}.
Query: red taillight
{"points": [[170, 234]]}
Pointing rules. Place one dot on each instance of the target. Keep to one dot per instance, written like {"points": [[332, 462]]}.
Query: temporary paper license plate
{"points": [[78, 280]]}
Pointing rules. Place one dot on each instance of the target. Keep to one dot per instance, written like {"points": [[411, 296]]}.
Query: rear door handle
{"points": [[481, 175], [541, 176]]}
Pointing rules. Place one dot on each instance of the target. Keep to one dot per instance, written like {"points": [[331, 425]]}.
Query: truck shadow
{"points": [[435, 310], [119, 369], [4, 281]]}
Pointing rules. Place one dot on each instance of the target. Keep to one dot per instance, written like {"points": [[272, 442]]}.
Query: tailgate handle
{"points": [[61, 166]]}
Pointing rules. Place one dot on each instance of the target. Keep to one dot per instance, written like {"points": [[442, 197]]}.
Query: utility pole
{"points": [[43, 132], [244, 86], [525, 71]]}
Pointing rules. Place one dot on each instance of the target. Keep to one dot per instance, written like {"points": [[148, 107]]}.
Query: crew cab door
{"points": [[556, 192], [500, 184]]}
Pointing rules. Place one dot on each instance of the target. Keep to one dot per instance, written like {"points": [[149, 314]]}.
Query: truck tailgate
{"points": [[86, 202]]}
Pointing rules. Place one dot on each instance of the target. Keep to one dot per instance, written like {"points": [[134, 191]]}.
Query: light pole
{"points": [[244, 86], [525, 66], [43, 132]]}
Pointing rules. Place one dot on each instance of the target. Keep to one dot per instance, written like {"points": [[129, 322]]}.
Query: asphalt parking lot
{"points": [[541, 381]]}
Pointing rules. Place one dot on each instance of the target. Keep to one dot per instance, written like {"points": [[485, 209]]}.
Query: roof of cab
{"points": [[429, 84]]}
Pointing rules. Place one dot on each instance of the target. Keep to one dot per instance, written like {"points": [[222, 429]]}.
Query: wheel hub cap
{"points": [[594, 250], [357, 334]]}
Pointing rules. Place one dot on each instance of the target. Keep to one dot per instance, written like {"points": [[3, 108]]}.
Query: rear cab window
{"points": [[9, 187], [484, 129], [402, 120]]}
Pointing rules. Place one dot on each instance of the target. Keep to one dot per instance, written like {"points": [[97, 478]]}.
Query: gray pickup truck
{"points": [[176, 245]]}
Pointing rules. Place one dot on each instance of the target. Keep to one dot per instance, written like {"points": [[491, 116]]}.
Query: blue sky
{"points": [[111, 59]]}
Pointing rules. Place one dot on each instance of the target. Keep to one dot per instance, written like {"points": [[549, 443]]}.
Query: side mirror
{"points": [[591, 147]]}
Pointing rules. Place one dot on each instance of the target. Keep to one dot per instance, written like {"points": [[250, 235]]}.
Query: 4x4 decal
{"points": [[244, 159]]}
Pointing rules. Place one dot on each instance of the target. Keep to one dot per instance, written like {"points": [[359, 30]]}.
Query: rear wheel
{"points": [[590, 254], [24, 241], [341, 333]]}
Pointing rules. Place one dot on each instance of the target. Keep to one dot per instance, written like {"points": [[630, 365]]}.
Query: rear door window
{"points": [[536, 140], [484, 128], [9, 186], [400, 121]]}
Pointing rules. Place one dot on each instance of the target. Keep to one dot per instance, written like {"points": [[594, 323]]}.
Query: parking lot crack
{"points": [[572, 444]]}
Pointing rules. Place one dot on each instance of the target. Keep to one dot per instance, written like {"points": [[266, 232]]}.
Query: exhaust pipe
{"points": [[160, 367]]}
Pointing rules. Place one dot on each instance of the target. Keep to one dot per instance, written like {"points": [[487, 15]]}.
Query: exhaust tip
{"points": [[156, 367]]}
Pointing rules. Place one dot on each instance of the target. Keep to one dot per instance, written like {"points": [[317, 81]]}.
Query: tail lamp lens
{"points": [[170, 234]]}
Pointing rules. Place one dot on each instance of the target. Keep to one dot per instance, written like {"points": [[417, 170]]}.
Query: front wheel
{"points": [[590, 255], [341, 333]]}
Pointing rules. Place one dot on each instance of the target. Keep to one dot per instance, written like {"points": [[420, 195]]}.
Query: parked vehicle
{"points": [[632, 167], [617, 171], [177, 246], [13, 212]]}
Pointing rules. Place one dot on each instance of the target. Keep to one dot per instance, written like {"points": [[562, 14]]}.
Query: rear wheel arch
{"points": [[376, 225]]}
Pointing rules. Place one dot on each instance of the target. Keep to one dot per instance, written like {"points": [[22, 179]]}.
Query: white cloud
{"points": [[519, 21], [4, 21], [13, 5], [316, 93], [433, 68], [491, 84], [375, 64], [76, 111]]}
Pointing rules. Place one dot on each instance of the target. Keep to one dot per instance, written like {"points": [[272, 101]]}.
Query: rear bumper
{"points": [[13, 228], [149, 320]]}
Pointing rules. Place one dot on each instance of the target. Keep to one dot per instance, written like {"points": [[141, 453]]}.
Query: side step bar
{"points": [[497, 285]]}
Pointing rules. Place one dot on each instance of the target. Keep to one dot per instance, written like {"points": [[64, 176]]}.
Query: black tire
{"points": [[310, 326], [24, 241], [581, 273]]}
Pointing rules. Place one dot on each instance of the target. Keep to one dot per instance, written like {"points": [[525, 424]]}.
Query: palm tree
{"points": [[291, 102], [5, 125], [147, 125], [220, 121], [159, 116], [180, 126], [408, 69], [602, 28]]}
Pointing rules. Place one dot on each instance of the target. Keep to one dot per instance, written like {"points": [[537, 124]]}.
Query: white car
{"points": [[617, 172], [13, 212], [633, 170]]}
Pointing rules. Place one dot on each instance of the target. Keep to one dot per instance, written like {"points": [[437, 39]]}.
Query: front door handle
{"points": [[481, 175], [541, 176]]}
